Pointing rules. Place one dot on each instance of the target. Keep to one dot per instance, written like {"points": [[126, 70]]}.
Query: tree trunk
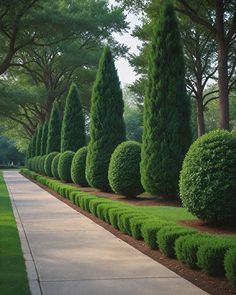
{"points": [[223, 80], [200, 117]]}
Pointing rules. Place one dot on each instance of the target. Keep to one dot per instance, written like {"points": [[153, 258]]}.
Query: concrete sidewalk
{"points": [[68, 254]]}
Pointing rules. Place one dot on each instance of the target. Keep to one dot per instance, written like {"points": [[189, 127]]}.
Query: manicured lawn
{"points": [[169, 213], [13, 277]]}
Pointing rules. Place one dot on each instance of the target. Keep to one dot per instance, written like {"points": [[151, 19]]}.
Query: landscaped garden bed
{"points": [[129, 221]]}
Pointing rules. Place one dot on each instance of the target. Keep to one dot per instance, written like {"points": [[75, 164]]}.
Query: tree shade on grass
{"points": [[73, 127], [167, 134], [107, 127], [39, 139], [44, 139], [12, 267], [54, 130]]}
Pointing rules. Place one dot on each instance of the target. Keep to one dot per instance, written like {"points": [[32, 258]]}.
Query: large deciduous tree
{"points": [[167, 134], [73, 127], [107, 127]]}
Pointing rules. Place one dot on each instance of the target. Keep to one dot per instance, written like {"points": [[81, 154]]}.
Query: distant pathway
{"points": [[68, 254]]}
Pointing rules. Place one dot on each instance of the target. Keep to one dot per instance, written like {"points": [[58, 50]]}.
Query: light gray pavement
{"points": [[68, 254]]}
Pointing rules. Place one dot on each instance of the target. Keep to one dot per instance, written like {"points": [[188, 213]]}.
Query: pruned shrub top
{"points": [[124, 171], [64, 166], [48, 163], [78, 167], [54, 166], [208, 177]]}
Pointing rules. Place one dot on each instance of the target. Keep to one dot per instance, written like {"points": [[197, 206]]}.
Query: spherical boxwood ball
{"points": [[41, 164], [124, 170], [48, 163], [208, 177], [54, 166], [78, 167], [64, 166]]}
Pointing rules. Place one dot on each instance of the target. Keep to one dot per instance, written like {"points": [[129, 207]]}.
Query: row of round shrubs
{"points": [[207, 179], [124, 173]]}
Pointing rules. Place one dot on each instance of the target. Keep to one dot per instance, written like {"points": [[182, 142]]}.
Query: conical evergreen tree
{"points": [[167, 134], [44, 139], [107, 128], [39, 139], [33, 146], [73, 127], [54, 130]]}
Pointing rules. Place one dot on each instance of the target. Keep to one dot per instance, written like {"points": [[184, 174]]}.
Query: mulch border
{"points": [[212, 285]]}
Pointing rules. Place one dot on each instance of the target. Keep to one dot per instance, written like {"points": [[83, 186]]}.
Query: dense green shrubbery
{"points": [[149, 231], [54, 167], [64, 166], [210, 256], [41, 164], [78, 167], [48, 163], [230, 265], [168, 235], [202, 250], [208, 177], [124, 171]]}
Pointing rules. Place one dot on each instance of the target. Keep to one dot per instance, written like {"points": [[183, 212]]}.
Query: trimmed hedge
{"points": [[54, 167], [208, 177], [64, 166], [167, 236], [41, 164], [210, 256], [78, 167], [48, 163], [208, 252], [124, 171], [150, 229], [230, 265]]}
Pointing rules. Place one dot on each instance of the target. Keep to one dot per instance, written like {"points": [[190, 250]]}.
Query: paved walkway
{"points": [[68, 254]]}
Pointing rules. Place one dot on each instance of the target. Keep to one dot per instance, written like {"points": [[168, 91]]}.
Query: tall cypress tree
{"points": [[73, 127], [39, 139], [167, 134], [107, 127], [33, 146], [54, 130], [44, 139]]}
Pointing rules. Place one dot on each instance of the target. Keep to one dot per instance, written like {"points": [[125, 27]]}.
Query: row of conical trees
{"points": [[166, 136]]}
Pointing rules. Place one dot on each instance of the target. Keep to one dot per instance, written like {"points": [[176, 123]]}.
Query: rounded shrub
{"points": [[230, 265], [48, 163], [78, 167], [54, 166], [208, 177], [41, 164], [124, 171], [64, 165]]}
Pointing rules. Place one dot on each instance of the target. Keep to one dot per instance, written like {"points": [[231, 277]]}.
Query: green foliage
{"points": [[39, 139], [54, 167], [78, 167], [54, 130], [125, 219], [149, 231], [124, 171], [9, 154], [136, 225], [41, 164], [230, 265], [107, 128], [208, 177], [167, 236], [34, 144], [73, 128], [48, 163], [167, 133], [64, 166], [210, 256], [43, 147]]}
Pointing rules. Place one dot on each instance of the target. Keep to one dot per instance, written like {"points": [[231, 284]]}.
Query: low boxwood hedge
{"points": [[230, 265]]}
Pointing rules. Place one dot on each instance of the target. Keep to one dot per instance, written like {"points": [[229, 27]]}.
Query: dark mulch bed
{"points": [[212, 285]]}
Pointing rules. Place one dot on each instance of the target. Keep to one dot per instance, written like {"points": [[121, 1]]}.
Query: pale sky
{"points": [[125, 71]]}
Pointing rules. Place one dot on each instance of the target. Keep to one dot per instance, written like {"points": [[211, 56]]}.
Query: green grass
{"points": [[13, 277], [169, 213]]}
